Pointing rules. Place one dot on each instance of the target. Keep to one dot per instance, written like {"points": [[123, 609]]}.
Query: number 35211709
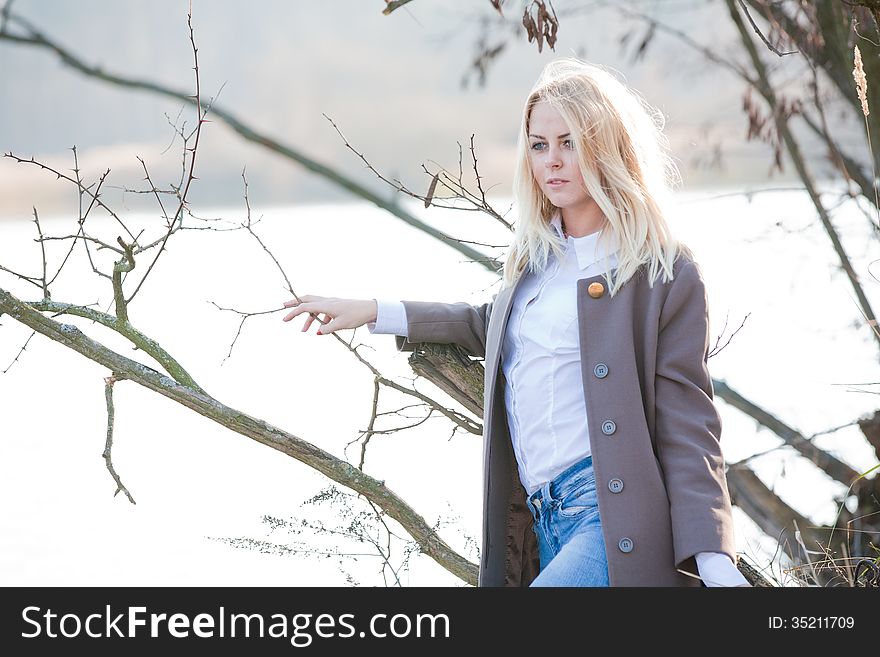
{"points": [[810, 622]]}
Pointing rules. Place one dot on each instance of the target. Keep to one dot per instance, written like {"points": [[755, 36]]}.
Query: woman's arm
{"points": [[419, 321], [338, 313], [446, 323]]}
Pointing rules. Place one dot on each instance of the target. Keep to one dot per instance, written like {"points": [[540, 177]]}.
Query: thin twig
{"points": [[20, 352], [761, 34], [34, 37], [200, 116], [108, 445], [46, 294]]}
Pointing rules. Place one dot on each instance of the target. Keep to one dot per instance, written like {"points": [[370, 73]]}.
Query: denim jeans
{"points": [[570, 543]]}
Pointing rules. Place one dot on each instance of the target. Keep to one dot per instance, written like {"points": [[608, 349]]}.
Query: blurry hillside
{"points": [[400, 87]]}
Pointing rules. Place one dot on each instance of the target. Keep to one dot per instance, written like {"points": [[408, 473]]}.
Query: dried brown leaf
{"points": [[430, 195], [543, 25]]}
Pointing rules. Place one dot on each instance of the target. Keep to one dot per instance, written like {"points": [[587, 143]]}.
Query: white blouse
{"points": [[541, 361]]}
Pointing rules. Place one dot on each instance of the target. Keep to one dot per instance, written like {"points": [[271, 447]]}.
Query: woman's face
{"points": [[553, 157]]}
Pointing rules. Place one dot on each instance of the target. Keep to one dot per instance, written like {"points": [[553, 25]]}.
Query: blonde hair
{"points": [[626, 169]]}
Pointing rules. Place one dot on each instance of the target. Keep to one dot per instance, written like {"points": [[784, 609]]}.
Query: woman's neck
{"points": [[582, 221]]}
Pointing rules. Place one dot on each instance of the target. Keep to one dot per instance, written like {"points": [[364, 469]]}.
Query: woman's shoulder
{"points": [[687, 281], [685, 268], [684, 258]]}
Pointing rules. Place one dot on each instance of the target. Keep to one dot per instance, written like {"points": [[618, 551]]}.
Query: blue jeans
{"points": [[570, 543]]}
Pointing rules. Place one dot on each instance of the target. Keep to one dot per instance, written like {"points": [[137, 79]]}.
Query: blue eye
{"points": [[540, 143]]}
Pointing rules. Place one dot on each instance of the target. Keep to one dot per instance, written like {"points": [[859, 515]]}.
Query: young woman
{"points": [[602, 462]]}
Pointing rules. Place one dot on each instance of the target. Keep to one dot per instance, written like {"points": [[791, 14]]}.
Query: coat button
{"points": [[601, 370], [596, 290], [625, 544], [615, 485], [608, 427]]}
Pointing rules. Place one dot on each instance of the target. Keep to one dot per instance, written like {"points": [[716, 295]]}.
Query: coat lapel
{"points": [[495, 331]]}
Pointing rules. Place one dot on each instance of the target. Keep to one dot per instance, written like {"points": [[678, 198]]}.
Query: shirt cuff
{"points": [[390, 318], [717, 569]]}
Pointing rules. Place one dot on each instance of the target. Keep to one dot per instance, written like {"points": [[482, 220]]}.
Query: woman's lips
{"points": [[557, 183]]}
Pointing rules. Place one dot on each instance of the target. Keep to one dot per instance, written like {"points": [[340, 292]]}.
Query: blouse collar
{"points": [[586, 248]]}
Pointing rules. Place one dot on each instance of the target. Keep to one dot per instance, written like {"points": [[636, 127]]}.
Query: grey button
{"points": [[601, 370], [608, 427], [615, 485], [538, 502], [625, 544]]}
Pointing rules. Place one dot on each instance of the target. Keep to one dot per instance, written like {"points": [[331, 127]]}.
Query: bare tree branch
{"points": [[108, 445], [829, 464], [246, 425], [33, 37], [764, 87], [761, 34]]}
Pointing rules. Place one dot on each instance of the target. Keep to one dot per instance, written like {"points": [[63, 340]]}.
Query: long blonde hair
{"points": [[622, 153]]}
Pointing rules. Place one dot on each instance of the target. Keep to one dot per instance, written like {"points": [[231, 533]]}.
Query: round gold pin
{"points": [[596, 290]]}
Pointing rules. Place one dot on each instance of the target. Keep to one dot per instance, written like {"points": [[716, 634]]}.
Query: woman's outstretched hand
{"points": [[338, 313]]}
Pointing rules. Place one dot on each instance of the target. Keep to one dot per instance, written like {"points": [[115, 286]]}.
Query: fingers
{"points": [[309, 303], [302, 299], [298, 304], [313, 313], [289, 316], [324, 330], [304, 303], [311, 318]]}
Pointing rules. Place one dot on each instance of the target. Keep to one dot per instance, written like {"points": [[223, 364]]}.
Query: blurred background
{"points": [[402, 88], [407, 90]]}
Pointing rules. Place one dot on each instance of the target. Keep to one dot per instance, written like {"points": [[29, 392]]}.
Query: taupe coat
{"points": [[653, 342]]}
